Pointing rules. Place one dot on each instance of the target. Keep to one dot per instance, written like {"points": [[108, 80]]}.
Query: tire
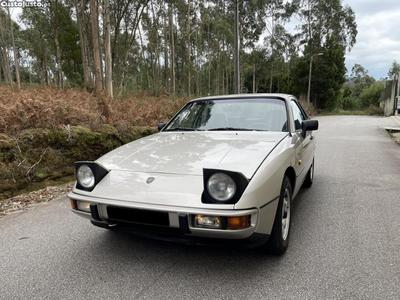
{"points": [[310, 176], [279, 239]]}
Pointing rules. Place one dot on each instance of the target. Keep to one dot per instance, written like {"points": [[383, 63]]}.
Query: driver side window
{"points": [[298, 116]]}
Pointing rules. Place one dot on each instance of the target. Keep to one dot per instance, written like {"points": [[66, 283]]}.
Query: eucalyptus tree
{"points": [[394, 70], [277, 14], [81, 18], [4, 45], [49, 32], [320, 19], [15, 52], [98, 86], [323, 23], [287, 48], [360, 80], [36, 40], [131, 20], [107, 46]]}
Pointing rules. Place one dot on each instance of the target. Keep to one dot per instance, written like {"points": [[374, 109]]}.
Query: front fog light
{"points": [[207, 221], [84, 206]]}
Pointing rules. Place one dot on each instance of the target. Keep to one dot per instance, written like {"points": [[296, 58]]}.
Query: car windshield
{"points": [[238, 114]]}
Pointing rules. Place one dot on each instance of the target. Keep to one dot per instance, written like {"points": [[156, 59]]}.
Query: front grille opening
{"points": [[137, 216]]}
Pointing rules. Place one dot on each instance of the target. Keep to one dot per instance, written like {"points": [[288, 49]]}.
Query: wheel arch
{"points": [[291, 174]]}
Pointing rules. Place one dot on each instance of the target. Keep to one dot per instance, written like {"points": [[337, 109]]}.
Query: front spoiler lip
{"points": [[253, 241]]}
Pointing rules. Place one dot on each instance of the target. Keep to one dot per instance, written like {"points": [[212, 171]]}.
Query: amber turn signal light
{"points": [[238, 222], [72, 204]]}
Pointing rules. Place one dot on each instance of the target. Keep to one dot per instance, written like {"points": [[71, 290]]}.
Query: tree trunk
{"points": [[217, 75], [40, 72], [109, 86], [209, 60], [2, 66], [271, 78], [58, 50], [152, 65], [188, 47], [236, 83], [166, 83], [172, 47], [156, 54], [46, 74], [254, 78], [95, 43], [230, 79], [82, 38], [223, 81], [99, 42], [7, 68], [15, 51], [288, 73], [144, 59], [197, 65]]}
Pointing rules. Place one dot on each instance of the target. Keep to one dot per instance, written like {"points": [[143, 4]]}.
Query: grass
{"points": [[370, 111]]}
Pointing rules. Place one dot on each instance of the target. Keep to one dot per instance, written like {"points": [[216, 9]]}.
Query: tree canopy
{"points": [[185, 47]]}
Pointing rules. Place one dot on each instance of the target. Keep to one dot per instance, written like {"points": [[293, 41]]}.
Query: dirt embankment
{"points": [[44, 131], [35, 158]]}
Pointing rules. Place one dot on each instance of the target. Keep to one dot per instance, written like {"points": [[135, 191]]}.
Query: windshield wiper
{"points": [[184, 129], [235, 129]]}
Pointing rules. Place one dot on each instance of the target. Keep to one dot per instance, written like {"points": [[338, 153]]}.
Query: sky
{"points": [[378, 38]]}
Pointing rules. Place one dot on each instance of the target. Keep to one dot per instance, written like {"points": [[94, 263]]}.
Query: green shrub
{"points": [[371, 95]]}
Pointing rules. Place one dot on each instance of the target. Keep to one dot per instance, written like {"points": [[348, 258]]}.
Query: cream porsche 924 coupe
{"points": [[223, 170]]}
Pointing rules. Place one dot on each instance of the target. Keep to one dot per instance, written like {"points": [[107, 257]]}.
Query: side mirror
{"points": [[309, 125], [160, 126]]}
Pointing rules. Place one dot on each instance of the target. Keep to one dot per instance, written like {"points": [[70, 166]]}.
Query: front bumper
{"points": [[180, 226]]}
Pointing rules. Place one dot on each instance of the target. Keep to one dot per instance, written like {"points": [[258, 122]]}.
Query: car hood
{"points": [[190, 152]]}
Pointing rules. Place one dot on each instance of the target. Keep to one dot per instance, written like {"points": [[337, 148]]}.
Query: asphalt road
{"points": [[345, 240]]}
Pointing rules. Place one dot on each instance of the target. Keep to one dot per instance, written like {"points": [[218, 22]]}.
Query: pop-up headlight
{"points": [[88, 175]]}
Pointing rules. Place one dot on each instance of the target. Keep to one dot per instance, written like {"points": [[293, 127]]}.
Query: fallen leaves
{"points": [[28, 200]]}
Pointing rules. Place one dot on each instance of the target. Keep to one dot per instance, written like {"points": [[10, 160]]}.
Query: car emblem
{"points": [[150, 180]]}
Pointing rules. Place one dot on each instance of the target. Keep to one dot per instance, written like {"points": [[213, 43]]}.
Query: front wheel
{"points": [[279, 239]]}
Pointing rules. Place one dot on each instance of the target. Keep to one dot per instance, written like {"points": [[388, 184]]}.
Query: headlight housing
{"points": [[85, 177], [89, 174], [221, 187]]}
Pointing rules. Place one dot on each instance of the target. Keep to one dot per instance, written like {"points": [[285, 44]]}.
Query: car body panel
{"points": [[191, 152], [166, 189]]}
